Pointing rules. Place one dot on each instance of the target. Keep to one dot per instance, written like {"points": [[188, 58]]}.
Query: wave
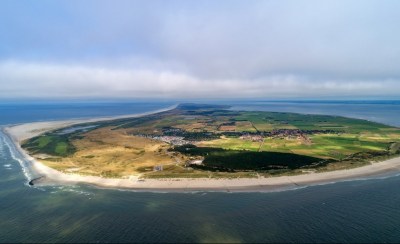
{"points": [[16, 156], [72, 189]]}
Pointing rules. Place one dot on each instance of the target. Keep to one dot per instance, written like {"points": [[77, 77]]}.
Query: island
{"points": [[204, 146]]}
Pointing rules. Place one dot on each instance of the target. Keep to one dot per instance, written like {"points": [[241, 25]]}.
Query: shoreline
{"points": [[20, 132]]}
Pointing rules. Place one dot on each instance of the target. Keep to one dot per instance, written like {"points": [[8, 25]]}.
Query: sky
{"points": [[199, 49]]}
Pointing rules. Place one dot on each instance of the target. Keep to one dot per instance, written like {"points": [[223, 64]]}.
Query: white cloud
{"points": [[195, 49], [24, 79]]}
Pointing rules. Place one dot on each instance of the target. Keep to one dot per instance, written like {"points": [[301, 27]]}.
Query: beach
{"points": [[21, 132]]}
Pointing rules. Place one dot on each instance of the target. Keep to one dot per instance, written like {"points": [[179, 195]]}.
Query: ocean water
{"points": [[379, 111], [353, 211]]}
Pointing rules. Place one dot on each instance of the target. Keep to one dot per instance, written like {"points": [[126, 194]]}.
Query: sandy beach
{"points": [[19, 133]]}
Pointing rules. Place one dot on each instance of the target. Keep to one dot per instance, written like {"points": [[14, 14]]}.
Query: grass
{"points": [[43, 141], [61, 148], [231, 143], [54, 145], [110, 150], [112, 153]]}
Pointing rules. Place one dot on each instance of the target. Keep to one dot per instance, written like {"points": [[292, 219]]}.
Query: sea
{"points": [[355, 211]]}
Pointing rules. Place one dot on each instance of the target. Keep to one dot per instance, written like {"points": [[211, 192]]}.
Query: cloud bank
{"points": [[199, 49], [49, 80]]}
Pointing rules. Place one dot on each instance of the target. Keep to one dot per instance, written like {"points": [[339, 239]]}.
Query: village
{"points": [[179, 137]]}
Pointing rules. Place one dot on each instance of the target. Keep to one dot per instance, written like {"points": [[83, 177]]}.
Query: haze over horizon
{"points": [[199, 49]]}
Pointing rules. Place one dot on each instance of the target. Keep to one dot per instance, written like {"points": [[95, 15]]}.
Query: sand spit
{"points": [[21, 132]]}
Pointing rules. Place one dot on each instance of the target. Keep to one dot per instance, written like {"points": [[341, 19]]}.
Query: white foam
{"points": [[13, 151], [72, 189]]}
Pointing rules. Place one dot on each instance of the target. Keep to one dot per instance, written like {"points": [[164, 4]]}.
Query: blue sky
{"points": [[199, 49]]}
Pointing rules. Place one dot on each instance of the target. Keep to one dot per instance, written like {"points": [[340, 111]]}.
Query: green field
{"points": [[224, 140], [50, 144]]}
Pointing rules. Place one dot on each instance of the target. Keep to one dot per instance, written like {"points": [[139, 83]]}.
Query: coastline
{"points": [[21, 132]]}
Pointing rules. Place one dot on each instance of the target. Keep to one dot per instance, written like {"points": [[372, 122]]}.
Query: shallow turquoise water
{"points": [[355, 211]]}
